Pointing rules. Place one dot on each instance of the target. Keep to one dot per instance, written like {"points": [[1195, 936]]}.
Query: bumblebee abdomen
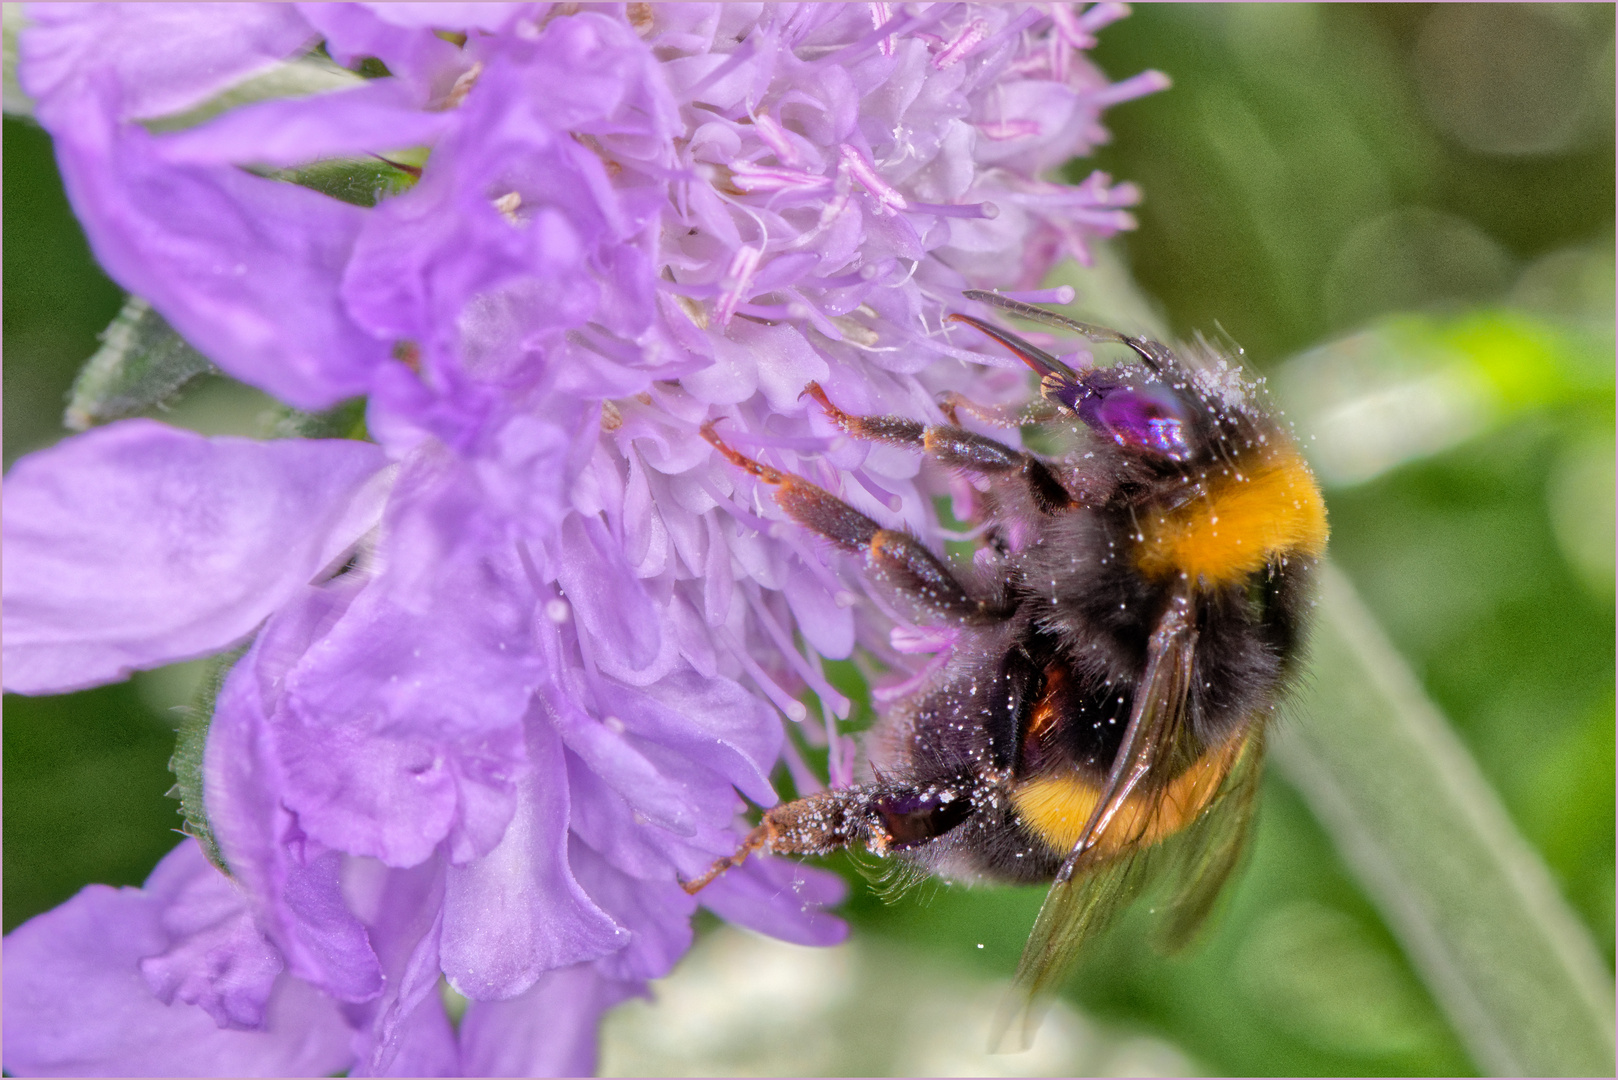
{"points": [[1250, 512], [1055, 807]]}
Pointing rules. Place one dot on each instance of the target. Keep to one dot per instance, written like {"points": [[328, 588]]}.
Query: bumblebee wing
{"points": [[1153, 736], [1090, 888], [1210, 849], [1074, 912]]}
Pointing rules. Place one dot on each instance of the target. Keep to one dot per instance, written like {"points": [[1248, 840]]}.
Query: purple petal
{"points": [[397, 798], [137, 544], [245, 269], [656, 913], [713, 721], [374, 116], [409, 1033], [216, 958], [163, 57], [77, 1003], [402, 726], [354, 32], [611, 603], [600, 817], [292, 880], [527, 473], [780, 898], [549, 1030], [616, 760], [825, 624], [489, 17], [518, 912]]}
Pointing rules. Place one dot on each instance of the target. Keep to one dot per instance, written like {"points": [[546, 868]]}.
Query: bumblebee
{"points": [[1116, 650]]}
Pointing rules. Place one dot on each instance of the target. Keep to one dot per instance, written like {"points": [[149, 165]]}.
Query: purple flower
{"points": [[510, 663]]}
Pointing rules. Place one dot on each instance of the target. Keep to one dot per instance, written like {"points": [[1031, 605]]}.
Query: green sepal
{"points": [[142, 362], [345, 420], [190, 746], [361, 181]]}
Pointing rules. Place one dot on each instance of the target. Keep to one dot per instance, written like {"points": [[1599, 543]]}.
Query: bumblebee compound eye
{"points": [[912, 818], [1150, 417]]}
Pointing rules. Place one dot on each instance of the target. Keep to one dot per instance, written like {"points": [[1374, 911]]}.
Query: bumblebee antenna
{"points": [[1141, 347], [1032, 355]]}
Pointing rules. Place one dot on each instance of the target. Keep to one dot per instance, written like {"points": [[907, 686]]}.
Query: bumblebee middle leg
{"points": [[954, 446], [890, 554]]}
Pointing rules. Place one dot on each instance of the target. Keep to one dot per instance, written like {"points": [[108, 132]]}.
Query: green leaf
{"points": [[1471, 902], [1415, 385], [190, 747], [141, 363]]}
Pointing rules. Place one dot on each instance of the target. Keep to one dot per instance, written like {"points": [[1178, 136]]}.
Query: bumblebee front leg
{"points": [[954, 446], [890, 555], [1038, 411]]}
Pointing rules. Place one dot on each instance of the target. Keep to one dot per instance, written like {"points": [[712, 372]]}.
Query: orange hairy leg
{"points": [[953, 446], [891, 556]]}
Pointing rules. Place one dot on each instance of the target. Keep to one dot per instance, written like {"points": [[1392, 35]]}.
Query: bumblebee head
{"points": [[1132, 409]]}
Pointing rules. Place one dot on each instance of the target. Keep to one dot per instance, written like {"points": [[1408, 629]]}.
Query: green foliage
{"points": [[1413, 818], [142, 363], [190, 747]]}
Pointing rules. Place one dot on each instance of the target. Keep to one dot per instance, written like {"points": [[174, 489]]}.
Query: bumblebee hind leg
{"points": [[954, 446], [891, 555]]}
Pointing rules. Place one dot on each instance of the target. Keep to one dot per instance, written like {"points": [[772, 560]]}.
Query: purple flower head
{"points": [[510, 663]]}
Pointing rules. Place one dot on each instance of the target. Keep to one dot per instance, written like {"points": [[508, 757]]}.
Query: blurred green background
{"points": [[1404, 213]]}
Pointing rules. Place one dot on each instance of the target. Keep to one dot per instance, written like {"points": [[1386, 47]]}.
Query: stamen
{"points": [[1070, 28], [743, 265], [1147, 82], [734, 508], [879, 18], [508, 205], [804, 444], [775, 137], [898, 26], [880, 494], [894, 691], [783, 640], [790, 706], [922, 639], [865, 173], [985, 210], [756, 178], [968, 39], [463, 85], [802, 776], [1001, 130], [1102, 15]]}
